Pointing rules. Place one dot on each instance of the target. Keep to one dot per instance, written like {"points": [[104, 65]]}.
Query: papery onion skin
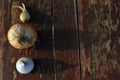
{"points": [[22, 35]]}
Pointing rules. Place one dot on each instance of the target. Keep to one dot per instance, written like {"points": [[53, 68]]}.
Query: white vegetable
{"points": [[24, 65]]}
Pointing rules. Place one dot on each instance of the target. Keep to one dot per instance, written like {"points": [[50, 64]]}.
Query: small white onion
{"points": [[24, 65]]}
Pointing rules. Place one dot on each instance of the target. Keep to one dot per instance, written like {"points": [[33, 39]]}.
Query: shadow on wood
{"points": [[39, 16], [64, 40], [48, 66]]}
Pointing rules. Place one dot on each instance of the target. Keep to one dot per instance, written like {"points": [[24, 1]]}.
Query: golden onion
{"points": [[22, 35]]}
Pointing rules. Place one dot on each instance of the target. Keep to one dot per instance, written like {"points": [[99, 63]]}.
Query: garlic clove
{"points": [[24, 65]]}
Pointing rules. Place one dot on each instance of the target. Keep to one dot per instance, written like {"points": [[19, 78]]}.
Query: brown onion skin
{"points": [[22, 35]]}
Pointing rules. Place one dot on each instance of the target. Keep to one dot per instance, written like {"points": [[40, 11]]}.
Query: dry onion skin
{"points": [[22, 35]]}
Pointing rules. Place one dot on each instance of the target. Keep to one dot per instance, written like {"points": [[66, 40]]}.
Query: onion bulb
{"points": [[22, 35], [24, 15]]}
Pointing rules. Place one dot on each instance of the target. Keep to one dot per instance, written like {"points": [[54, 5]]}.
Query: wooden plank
{"points": [[2, 39], [42, 52], [40, 11], [65, 40], [99, 34]]}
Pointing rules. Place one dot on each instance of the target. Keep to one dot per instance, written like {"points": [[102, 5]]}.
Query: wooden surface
{"points": [[78, 40], [99, 28]]}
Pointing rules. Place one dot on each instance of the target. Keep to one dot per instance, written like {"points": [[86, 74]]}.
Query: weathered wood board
{"points": [[77, 40], [55, 53], [99, 28]]}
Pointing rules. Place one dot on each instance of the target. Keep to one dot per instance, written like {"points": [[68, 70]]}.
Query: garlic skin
{"points": [[22, 35], [24, 65]]}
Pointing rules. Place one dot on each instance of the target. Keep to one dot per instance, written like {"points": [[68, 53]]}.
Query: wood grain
{"points": [[53, 61], [77, 41], [65, 38], [99, 26], [2, 40]]}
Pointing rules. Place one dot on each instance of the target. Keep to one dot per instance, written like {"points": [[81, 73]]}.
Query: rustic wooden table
{"points": [[78, 40]]}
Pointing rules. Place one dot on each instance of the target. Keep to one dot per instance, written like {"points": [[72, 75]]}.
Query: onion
{"points": [[24, 15], [22, 35], [24, 65]]}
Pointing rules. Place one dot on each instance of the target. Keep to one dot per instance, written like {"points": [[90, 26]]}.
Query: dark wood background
{"points": [[78, 40]]}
